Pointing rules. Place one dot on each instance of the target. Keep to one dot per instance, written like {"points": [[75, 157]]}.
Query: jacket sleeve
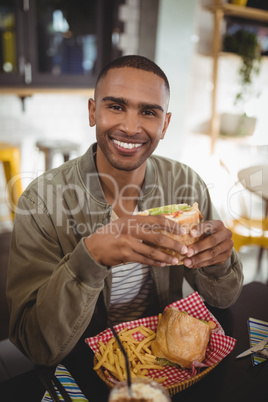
{"points": [[51, 295], [221, 285]]}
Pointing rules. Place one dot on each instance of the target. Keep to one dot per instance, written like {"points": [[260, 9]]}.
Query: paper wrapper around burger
{"points": [[188, 220], [219, 346]]}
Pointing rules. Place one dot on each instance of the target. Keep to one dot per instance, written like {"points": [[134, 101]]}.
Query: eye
{"points": [[116, 107], [148, 112]]}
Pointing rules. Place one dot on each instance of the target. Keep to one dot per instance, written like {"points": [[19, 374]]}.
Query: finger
{"points": [[153, 256], [123, 248], [213, 234], [206, 243], [129, 250], [154, 234], [159, 239], [207, 228], [212, 256], [220, 259]]}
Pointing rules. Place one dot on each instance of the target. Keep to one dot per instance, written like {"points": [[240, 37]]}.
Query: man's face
{"points": [[130, 113]]}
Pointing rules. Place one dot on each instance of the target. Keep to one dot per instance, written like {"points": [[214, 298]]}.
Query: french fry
{"points": [[160, 379], [121, 359], [106, 351], [132, 331], [110, 356], [140, 356], [111, 369], [146, 348], [145, 340], [102, 347], [150, 356], [129, 340], [146, 331], [118, 368], [149, 366]]}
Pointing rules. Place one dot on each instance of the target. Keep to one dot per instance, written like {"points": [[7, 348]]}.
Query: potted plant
{"points": [[244, 43]]}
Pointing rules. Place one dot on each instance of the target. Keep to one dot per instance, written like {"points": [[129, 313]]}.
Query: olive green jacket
{"points": [[54, 284]]}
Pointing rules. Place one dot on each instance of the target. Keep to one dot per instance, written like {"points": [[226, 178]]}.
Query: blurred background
{"points": [[214, 53]]}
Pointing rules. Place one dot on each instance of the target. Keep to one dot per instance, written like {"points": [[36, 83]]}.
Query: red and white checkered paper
{"points": [[219, 346]]}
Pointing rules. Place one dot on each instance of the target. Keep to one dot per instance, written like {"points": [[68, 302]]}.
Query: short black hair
{"points": [[135, 61]]}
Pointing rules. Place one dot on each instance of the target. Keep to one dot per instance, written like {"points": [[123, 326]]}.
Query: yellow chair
{"points": [[10, 157], [247, 232], [249, 227], [250, 232]]}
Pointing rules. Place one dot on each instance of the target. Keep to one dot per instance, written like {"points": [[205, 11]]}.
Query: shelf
{"points": [[240, 11], [24, 91], [219, 11], [245, 12], [221, 54]]}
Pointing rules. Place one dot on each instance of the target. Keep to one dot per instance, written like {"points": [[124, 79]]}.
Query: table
{"points": [[233, 380], [236, 380]]}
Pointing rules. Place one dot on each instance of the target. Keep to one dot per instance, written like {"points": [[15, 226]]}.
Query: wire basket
{"points": [[172, 389]]}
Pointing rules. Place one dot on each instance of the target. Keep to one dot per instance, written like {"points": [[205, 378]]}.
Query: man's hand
{"points": [[129, 239], [213, 249]]}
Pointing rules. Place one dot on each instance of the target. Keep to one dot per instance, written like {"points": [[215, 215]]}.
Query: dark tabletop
{"points": [[232, 380]]}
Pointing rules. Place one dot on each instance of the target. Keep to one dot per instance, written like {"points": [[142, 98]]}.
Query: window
{"points": [[56, 43]]}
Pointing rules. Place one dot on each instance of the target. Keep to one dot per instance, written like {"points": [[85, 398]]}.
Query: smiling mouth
{"points": [[126, 145]]}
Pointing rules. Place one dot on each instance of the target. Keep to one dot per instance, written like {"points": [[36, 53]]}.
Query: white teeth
{"points": [[126, 145]]}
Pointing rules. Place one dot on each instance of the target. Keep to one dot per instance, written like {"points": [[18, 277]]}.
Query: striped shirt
{"points": [[131, 289]]}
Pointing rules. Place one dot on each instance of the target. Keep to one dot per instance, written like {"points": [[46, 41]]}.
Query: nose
{"points": [[130, 123]]}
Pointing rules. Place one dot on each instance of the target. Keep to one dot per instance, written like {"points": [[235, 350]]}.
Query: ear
{"points": [[91, 112], [166, 124]]}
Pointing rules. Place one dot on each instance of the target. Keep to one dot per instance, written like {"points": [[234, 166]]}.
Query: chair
{"points": [[50, 148], [12, 361], [248, 230], [10, 157]]}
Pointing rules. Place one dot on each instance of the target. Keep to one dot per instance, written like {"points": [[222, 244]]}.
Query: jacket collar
{"points": [[90, 177]]}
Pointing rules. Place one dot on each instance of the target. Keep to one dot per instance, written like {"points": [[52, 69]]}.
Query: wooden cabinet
{"points": [[54, 43], [220, 10]]}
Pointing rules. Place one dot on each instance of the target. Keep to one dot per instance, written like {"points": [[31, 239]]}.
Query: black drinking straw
{"points": [[125, 356]]}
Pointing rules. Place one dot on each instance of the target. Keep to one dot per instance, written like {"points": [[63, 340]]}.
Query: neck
{"points": [[121, 188]]}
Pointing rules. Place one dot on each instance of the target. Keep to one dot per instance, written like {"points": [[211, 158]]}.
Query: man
{"points": [[79, 251]]}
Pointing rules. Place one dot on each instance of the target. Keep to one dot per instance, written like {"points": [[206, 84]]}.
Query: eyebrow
{"points": [[123, 101]]}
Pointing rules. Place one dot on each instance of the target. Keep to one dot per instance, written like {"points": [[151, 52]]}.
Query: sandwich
{"points": [[187, 216], [181, 338]]}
